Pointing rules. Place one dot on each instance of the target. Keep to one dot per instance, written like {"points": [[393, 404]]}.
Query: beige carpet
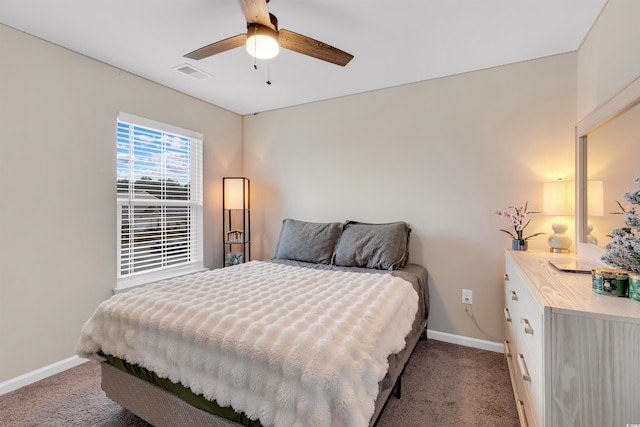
{"points": [[443, 385]]}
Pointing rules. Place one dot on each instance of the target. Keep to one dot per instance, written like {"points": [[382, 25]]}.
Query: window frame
{"points": [[195, 203]]}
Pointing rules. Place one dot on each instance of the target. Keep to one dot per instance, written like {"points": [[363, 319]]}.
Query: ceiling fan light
{"points": [[262, 42]]}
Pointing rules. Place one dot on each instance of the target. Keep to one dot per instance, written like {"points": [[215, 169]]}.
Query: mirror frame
{"points": [[624, 100]]}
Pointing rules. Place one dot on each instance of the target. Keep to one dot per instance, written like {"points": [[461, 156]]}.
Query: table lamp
{"points": [[558, 201]]}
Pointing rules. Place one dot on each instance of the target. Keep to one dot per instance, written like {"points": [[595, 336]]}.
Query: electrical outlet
{"points": [[467, 296]]}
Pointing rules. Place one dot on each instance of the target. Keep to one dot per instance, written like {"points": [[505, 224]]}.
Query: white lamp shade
{"points": [[558, 198], [595, 198], [234, 191], [262, 46]]}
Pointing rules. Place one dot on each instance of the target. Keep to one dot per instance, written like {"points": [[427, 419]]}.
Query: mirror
{"points": [[613, 164], [607, 151]]}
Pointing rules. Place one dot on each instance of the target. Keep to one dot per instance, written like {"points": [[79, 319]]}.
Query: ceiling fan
{"points": [[263, 39]]}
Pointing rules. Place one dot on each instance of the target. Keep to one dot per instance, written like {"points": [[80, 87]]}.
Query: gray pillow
{"points": [[308, 241], [381, 246]]}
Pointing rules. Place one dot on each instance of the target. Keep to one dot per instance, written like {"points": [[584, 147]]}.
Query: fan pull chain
{"points": [[269, 72], [255, 48]]}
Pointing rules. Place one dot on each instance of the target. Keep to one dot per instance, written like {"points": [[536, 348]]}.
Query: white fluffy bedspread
{"points": [[289, 346]]}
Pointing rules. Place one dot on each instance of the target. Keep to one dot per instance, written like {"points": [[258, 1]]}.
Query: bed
{"points": [[317, 336]]}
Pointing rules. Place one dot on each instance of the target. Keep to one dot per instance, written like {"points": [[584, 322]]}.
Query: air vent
{"points": [[192, 72]]}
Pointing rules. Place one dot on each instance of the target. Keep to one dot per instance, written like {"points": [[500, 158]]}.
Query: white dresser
{"points": [[573, 355]]}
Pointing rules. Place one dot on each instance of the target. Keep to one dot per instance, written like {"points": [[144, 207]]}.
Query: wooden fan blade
{"points": [[218, 47], [255, 11], [314, 48]]}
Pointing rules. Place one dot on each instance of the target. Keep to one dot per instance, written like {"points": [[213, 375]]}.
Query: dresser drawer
{"points": [[523, 398], [524, 329], [528, 326], [513, 374], [510, 324], [511, 310], [530, 387], [522, 314]]}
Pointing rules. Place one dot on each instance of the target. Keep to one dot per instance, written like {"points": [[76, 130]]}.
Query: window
{"points": [[159, 198]]}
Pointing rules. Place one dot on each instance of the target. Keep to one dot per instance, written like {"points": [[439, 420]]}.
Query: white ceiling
{"points": [[394, 42]]}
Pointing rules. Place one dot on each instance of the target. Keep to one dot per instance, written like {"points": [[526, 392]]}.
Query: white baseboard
{"points": [[498, 347], [63, 365], [39, 374]]}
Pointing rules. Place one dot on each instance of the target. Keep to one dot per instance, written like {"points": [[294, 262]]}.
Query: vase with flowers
{"points": [[517, 220]]}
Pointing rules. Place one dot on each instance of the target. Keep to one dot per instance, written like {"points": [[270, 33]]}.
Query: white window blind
{"points": [[159, 198]]}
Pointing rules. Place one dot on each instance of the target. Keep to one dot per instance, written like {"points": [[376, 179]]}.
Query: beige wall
{"points": [[441, 155], [609, 58], [57, 188]]}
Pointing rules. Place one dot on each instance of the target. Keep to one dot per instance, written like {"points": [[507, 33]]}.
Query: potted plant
{"points": [[518, 242]]}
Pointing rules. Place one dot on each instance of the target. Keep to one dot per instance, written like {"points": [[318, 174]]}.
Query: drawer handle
{"points": [[514, 296], [523, 368], [506, 277], [507, 315], [527, 327], [507, 349]]}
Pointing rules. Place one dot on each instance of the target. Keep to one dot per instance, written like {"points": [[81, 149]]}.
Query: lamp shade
{"points": [[558, 198], [236, 193], [262, 42], [595, 198]]}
